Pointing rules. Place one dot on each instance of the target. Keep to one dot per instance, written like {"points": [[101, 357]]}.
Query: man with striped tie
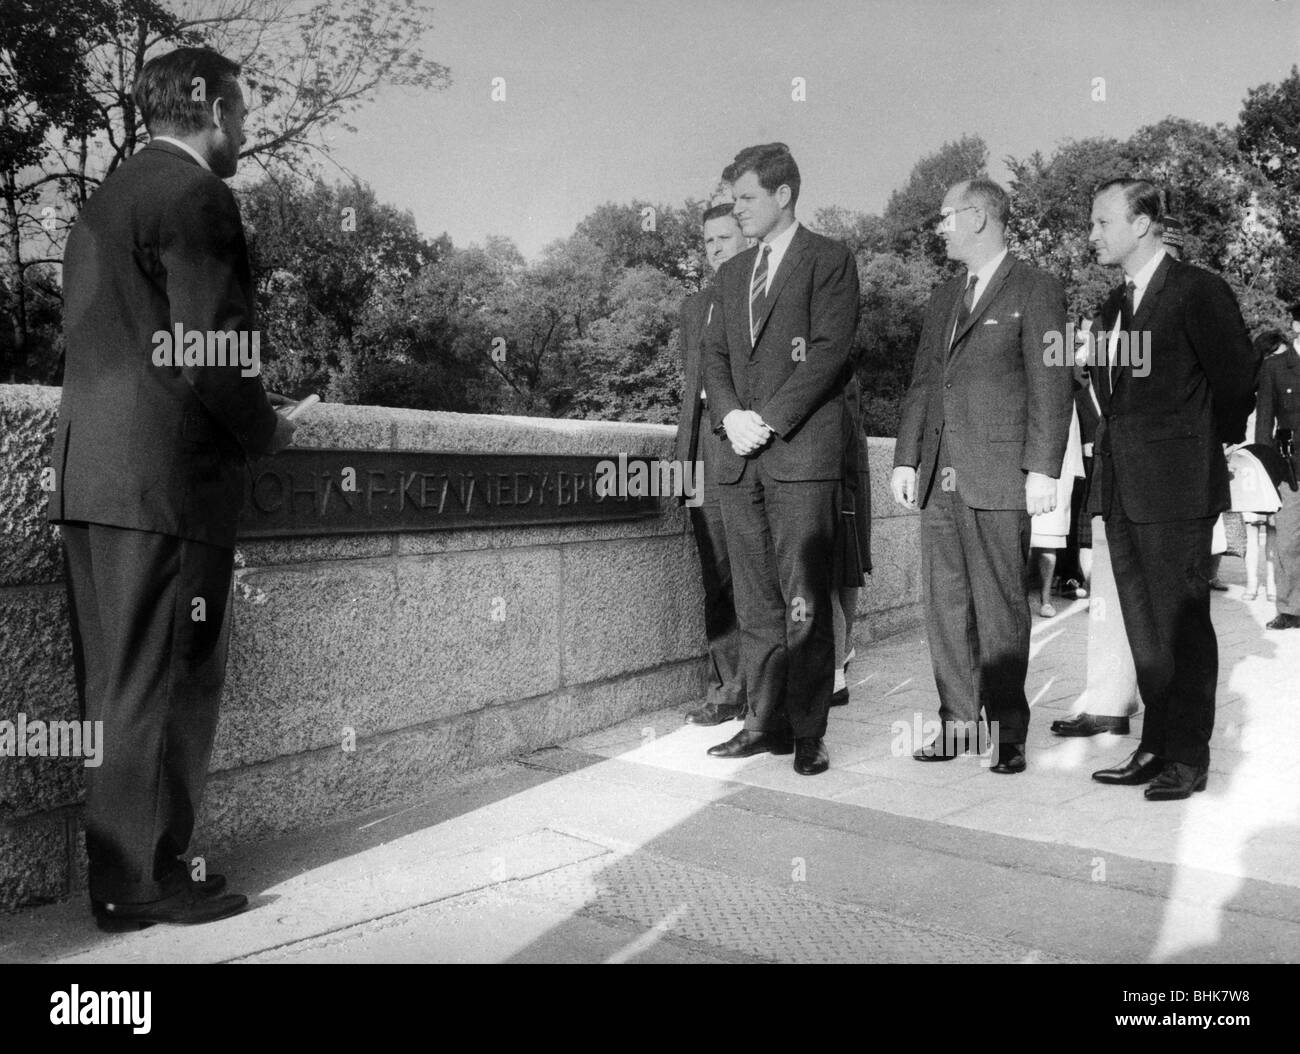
{"points": [[778, 353]]}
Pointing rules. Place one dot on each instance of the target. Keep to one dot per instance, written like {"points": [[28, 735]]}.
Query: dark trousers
{"points": [[1163, 574], [781, 536], [726, 686], [976, 611], [150, 662]]}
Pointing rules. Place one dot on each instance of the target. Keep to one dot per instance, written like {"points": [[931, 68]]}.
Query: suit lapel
{"points": [[1152, 293], [982, 305], [1107, 318], [793, 254]]}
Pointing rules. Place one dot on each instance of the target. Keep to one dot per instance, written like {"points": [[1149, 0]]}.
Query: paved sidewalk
{"points": [[632, 845]]}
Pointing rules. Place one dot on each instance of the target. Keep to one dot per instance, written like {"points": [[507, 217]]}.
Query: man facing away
{"points": [[981, 440], [777, 357], [696, 442], [149, 456], [1174, 376]]}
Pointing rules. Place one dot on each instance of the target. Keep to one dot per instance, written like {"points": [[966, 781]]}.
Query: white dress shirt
{"points": [[779, 245], [184, 146]]}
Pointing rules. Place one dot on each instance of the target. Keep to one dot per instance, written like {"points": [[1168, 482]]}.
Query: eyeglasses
{"points": [[947, 218]]}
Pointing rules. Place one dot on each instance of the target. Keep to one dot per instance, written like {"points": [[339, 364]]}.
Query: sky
{"points": [[615, 100]]}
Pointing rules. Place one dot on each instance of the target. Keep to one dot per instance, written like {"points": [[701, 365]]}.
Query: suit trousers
{"points": [[781, 537], [1111, 681], [1287, 521], [150, 662], [1163, 574], [976, 611], [720, 626]]}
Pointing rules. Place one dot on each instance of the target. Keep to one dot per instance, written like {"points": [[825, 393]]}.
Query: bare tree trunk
{"points": [[18, 363]]}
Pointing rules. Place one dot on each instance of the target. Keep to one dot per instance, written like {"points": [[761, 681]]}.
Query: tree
{"points": [[1268, 133], [661, 236], [628, 361], [323, 258], [68, 71], [908, 215]]}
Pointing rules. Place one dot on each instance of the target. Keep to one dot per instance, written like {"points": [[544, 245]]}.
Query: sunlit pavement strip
{"points": [[1246, 824], [709, 910], [631, 844]]}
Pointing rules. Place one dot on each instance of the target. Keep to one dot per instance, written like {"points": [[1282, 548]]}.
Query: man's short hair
{"points": [[990, 197], [716, 212], [1268, 342], [1140, 195], [166, 89], [771, 163], [1294, 311]]}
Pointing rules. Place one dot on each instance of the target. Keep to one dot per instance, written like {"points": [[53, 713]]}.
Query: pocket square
{"points": [[990, 322]]}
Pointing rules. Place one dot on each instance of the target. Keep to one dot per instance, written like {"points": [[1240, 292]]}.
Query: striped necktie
{"points": [[758, 294], [967, 303]]}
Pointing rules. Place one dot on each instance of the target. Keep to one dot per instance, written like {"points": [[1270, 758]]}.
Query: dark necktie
{"points": [[1125, 324], [967, 302], [758, 294]]}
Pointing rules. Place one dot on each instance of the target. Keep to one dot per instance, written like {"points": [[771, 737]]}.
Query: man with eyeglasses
{"points": [[980, 445]]}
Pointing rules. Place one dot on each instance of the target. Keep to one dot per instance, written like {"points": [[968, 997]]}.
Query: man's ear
{"points": [[783, 195], [218, 108], [1144, 225]]}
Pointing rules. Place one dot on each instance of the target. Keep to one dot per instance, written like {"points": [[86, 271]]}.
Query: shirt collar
{"points": [[782, 241], [985, 273], [1143, 278], [184, 146]]}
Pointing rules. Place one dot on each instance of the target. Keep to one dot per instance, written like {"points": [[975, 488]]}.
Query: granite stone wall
{"points": [[367, 668]]}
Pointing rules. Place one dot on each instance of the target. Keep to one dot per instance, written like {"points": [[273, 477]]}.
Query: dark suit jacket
{"points": [[1278, 405], [1159, 441], [156, 448], [812, 305], [1004, 409]]}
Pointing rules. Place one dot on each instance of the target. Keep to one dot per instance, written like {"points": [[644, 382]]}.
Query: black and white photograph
{"points": [[652, 482]]}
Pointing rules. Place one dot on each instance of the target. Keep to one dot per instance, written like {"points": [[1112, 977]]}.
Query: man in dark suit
{"points": [[1277, 419], [777, 357], [696, 442], [1183, 389], [981, 440], [153, 432]]}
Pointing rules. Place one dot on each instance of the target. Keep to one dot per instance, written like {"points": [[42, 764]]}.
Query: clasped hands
{"points": [[747, 431]]}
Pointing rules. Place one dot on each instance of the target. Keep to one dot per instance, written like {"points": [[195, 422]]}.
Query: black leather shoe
{"points": [[715, 713], [186, 908], [1011, 759], [937, 750], [840, 698], [1284, 622], [210, 886], [1089, 725], [745, 744], [1141, 767], [1177, 781], [810, 755]]}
